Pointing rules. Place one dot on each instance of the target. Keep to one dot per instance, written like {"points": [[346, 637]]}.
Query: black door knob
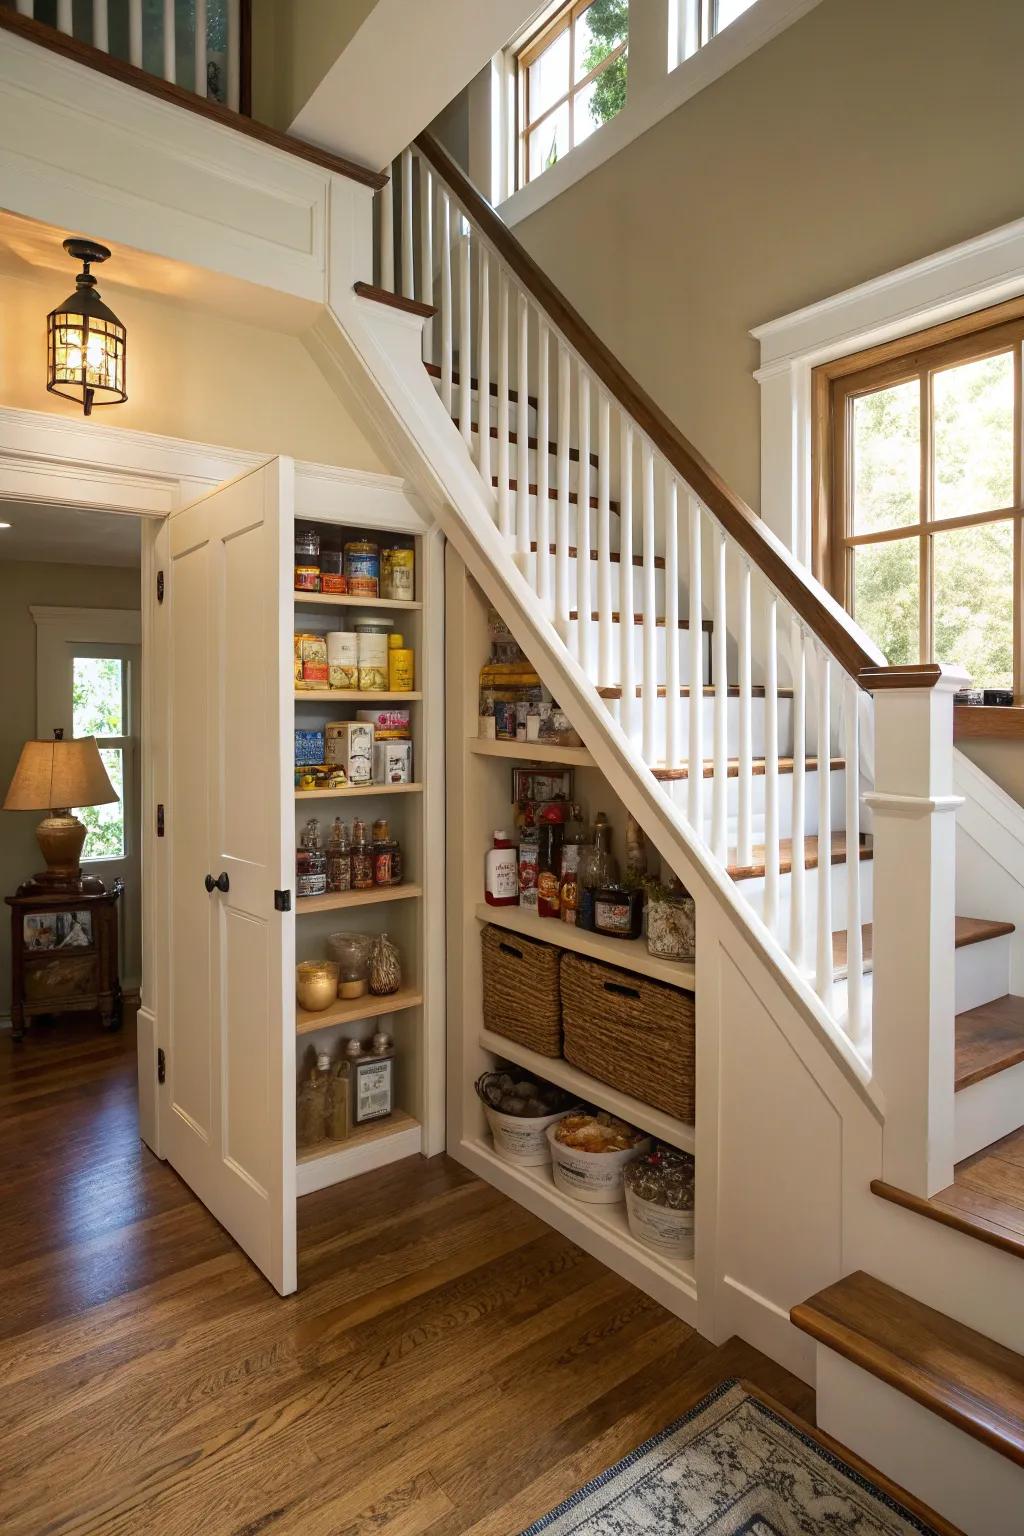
{"points": [[222, 883]]}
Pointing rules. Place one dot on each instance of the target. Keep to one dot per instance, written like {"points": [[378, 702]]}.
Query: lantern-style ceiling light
{"points": [[86, 342]]}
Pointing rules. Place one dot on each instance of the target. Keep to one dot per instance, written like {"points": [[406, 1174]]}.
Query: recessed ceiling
{"points": [[68, 535]]}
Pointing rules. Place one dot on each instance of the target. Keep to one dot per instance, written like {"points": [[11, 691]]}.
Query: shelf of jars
{"points": [[364, 1006]]}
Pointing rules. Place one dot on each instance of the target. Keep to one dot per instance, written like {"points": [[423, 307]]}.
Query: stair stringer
{"points": [[747, 988]]}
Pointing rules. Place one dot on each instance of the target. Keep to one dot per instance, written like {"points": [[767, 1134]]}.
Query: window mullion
{"points": [[926, 595]]}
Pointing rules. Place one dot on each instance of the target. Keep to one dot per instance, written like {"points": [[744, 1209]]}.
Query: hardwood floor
{"points": [[985, 1199], [450, 1365]]}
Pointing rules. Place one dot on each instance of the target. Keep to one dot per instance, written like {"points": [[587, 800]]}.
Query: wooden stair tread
{"points": [[513, 485], [969, 930], [595, 618], [756, 870], [961, 1375], [669, 775], [708, 690], [988, 1040], [435, 373], [531, 443], [985, 1199]]}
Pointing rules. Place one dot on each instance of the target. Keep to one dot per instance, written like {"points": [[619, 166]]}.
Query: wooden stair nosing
{"points": [[757, 869], [531, 443], [395, 300], [957, 1373], [513, 485], [985, 1200], [707, 625], [435, 373], [970, 1224], [968, 930], [758, 764], [757, 691], [989, 1039]]}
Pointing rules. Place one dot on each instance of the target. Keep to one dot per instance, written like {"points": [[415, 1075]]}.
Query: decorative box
{"points": [[392, 762], [309, 748], [388, 724], [349, 743]]}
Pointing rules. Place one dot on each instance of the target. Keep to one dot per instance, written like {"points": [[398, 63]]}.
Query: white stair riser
{"points": [[678, 791], [532, 526], [706, 704], [754, 892], [660, 648], [982, 973], [988, 1110]]}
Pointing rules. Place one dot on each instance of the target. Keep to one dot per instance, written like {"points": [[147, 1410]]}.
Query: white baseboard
{"points": [[765, 1325], [338, 1167]]}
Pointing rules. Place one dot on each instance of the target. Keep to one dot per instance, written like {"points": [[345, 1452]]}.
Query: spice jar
{"points": [[339, 858], [307, 560], [362, 568], [372, 647], [352, 954], [310, 863], [362, 858], [316, 984], [387, 857]]}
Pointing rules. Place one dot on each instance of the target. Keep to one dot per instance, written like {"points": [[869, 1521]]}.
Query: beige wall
{"points": [[191, 374], [23, 583], [293, 47], [868, 134]]}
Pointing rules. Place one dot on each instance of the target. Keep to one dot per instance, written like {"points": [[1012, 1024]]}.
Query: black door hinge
{"points": [[161, 1066], [159, 821], [159, 586], [282, 901]]}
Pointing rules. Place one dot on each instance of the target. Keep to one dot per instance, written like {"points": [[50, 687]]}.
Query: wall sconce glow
{"points": [[86, 342]]}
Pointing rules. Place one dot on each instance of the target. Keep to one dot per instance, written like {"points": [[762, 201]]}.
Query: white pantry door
{"points": [[228, 1110]]}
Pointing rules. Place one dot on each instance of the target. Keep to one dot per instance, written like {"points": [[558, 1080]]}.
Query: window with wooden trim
{"points": [[571, 78], [918, 505]]}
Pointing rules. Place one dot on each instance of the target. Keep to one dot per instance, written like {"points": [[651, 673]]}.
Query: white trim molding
{"points": [[979, 272]]}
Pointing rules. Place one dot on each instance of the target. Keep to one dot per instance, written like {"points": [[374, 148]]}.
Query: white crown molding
{"points": [[119, 626]]}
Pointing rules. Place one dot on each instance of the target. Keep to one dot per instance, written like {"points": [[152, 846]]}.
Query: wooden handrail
{"points": [[129, 74], [826, 620]]}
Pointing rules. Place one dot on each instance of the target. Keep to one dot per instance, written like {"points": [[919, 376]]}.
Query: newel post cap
{"points": [[937, 675]]}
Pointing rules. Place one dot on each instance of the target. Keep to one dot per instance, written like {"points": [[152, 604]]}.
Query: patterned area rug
{"points": [[731, 1467]]}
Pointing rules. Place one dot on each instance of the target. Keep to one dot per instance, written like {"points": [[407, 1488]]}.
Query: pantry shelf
{"points": [[342, 600], [554, 1070], [354, 1010], [630, 954], [602, 1230], [354, 790], [323, 696], [531, 752], [370, 1146], [338, 899]]}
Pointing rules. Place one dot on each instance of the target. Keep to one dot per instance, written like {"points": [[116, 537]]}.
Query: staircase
{"points": [[788, 760]]}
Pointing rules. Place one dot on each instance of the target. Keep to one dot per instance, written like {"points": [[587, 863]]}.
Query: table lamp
{"points": [[51, 776]]}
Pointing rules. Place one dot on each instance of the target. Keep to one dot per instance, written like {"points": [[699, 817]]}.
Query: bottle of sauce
{"points": [[599, 870], [401, 665], [551, 831], [573, 843], [501, 872]]}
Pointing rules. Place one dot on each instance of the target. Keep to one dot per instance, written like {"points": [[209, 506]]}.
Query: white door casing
{"points": [[228, 1115]]}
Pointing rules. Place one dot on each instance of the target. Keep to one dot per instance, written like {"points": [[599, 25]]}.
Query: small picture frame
{"points": [[43, 931], [534, 785]]}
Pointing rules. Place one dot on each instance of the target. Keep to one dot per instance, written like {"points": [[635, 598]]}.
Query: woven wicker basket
{"points": [[520, 989], [637, 1035]]}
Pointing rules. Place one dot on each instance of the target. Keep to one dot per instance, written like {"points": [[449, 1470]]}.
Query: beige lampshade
{"points": [[52, 774]]}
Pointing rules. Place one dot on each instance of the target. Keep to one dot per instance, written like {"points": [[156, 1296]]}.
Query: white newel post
{"points": [[914, 888]]}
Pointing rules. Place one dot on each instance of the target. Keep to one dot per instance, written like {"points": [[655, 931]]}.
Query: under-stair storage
{"points": [[375, 867], [480, 801]]}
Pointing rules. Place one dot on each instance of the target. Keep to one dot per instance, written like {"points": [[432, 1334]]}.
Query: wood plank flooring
{"points": [[449, 1365]]}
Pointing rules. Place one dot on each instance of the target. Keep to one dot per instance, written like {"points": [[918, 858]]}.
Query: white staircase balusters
{"points": [[483, 417], [798, 813], [386, 234], [447, 320], [199, 51], [135, 33], [650, 610], [426, 211], [170, 58], [563, 605], [504, 510], [672, 577], [584, 597], [745, 785], [771, 763], [605, 601], [695, 781], [65, 21], [824, 965], [720, 721], [408, 269], [856, 1025], [627, 668], [465, 335], [234, 55], [522, 429], [542, 583]]}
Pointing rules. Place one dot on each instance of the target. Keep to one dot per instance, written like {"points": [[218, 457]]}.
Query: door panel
{"points": [[231, 1060]]}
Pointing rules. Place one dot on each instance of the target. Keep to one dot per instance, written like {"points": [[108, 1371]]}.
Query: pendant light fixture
{"points": [[86, 342]]}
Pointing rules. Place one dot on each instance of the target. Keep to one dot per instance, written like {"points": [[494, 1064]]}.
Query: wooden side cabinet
{"points": [[64, 956]]}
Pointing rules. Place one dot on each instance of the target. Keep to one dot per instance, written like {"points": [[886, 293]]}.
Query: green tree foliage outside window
{"points": [[608, 21]]}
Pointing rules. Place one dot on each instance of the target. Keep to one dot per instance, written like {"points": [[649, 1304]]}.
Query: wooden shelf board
{"points": [[555, 1070], [352, 1010], [353, 696], [629, 954], [531, 752], [343, 600], [377, 1130], [576, 1220], [354, 790], [339, 899]]}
